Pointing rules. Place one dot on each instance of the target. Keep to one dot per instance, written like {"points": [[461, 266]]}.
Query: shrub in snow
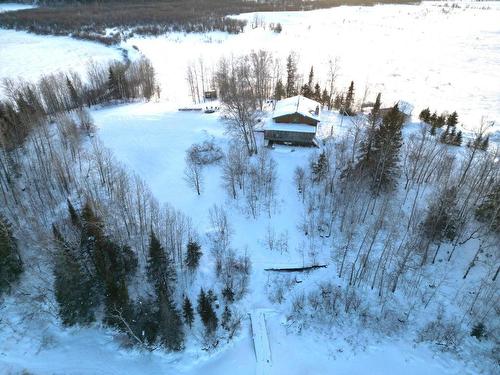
{"points": [[205, 153], [478, 331]]}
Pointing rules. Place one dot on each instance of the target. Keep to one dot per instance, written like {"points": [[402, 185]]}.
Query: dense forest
{"points": [[90, 19]]}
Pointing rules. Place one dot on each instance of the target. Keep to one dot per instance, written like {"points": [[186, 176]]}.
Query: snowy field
{"points": [[444, 58], [430, 55], [28, 56]]}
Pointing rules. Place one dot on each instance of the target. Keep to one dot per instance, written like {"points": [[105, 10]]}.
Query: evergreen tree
{"points": [[443, 138], [311, 78], [452, 119], [440, 121], [325, 99], [320, 167], [388, 140], [74, 97], [425, 115], [188, 312], [170, 330], [458, 138], [207, 312], [291, 77], [349, 100], [279, 91], [226, 318], [11, 265], [144, 322], [366, 145], [74, 289], [193, 255], [306, 91], [433, 119], [160, 269], [478, 331], [338, 102], [317, 93]]}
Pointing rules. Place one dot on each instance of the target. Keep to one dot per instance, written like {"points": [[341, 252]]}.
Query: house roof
{"points": [[298, 104], [296, 128]]}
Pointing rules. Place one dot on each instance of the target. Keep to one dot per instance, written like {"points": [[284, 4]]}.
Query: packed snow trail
{"points": [[260, 342]]}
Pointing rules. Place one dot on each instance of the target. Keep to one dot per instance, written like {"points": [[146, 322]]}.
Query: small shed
{"points": [[210, 95], [404, 108], [294, 121]]}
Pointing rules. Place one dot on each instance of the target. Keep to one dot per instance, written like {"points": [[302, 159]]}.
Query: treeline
{"points": [[89, 19], [30, 104], [402, 218], [97, 245]]}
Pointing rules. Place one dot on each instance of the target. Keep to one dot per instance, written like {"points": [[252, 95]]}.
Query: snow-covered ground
{"points": [[430, 55], [445, 58]]}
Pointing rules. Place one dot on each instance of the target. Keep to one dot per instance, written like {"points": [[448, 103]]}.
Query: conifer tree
{"points": [[188, 312], [317, 93], [291, 70], [74, 289], [306, 91], [193, 255], [74, 97], [159, 266], [478, 331], [452, 119], [485, 143], [170, 330], [320, 167], [338, 102], [279, 91], [366, 145], [349, 100], [207, 312], [226, 318], [425, 115], [388, 140], [325, 98], [458, 138], [311, 78], [11, 265]]}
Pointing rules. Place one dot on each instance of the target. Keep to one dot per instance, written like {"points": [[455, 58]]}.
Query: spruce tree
{"points": [[387, 142], [458, 138], [207, 312], [159, 266], [366, 145], [485, 143], [74, 288], [317, 93], [320, 167], [478, 331], [279, 91], [188, 312], [75, 99], [311, 78], [452, 119], [291, 77], [325, 98], [193, 255], [11, 265], [425, 115], [488, 211], [226, 318], [349, 100], [170, 330], [338, 102]]}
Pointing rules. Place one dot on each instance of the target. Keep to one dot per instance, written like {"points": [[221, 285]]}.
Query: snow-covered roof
{"points": [[298, 104], [405, 107], [299, 128]]}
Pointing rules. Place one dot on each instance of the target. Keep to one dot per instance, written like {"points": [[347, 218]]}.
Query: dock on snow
{"points": [[260, 341]]}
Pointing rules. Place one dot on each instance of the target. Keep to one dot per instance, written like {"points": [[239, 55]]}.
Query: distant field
{"points": [[90, 20]]}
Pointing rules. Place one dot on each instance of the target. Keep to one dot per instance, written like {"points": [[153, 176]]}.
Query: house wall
{"points": [[295, 118], [291, 137]]}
